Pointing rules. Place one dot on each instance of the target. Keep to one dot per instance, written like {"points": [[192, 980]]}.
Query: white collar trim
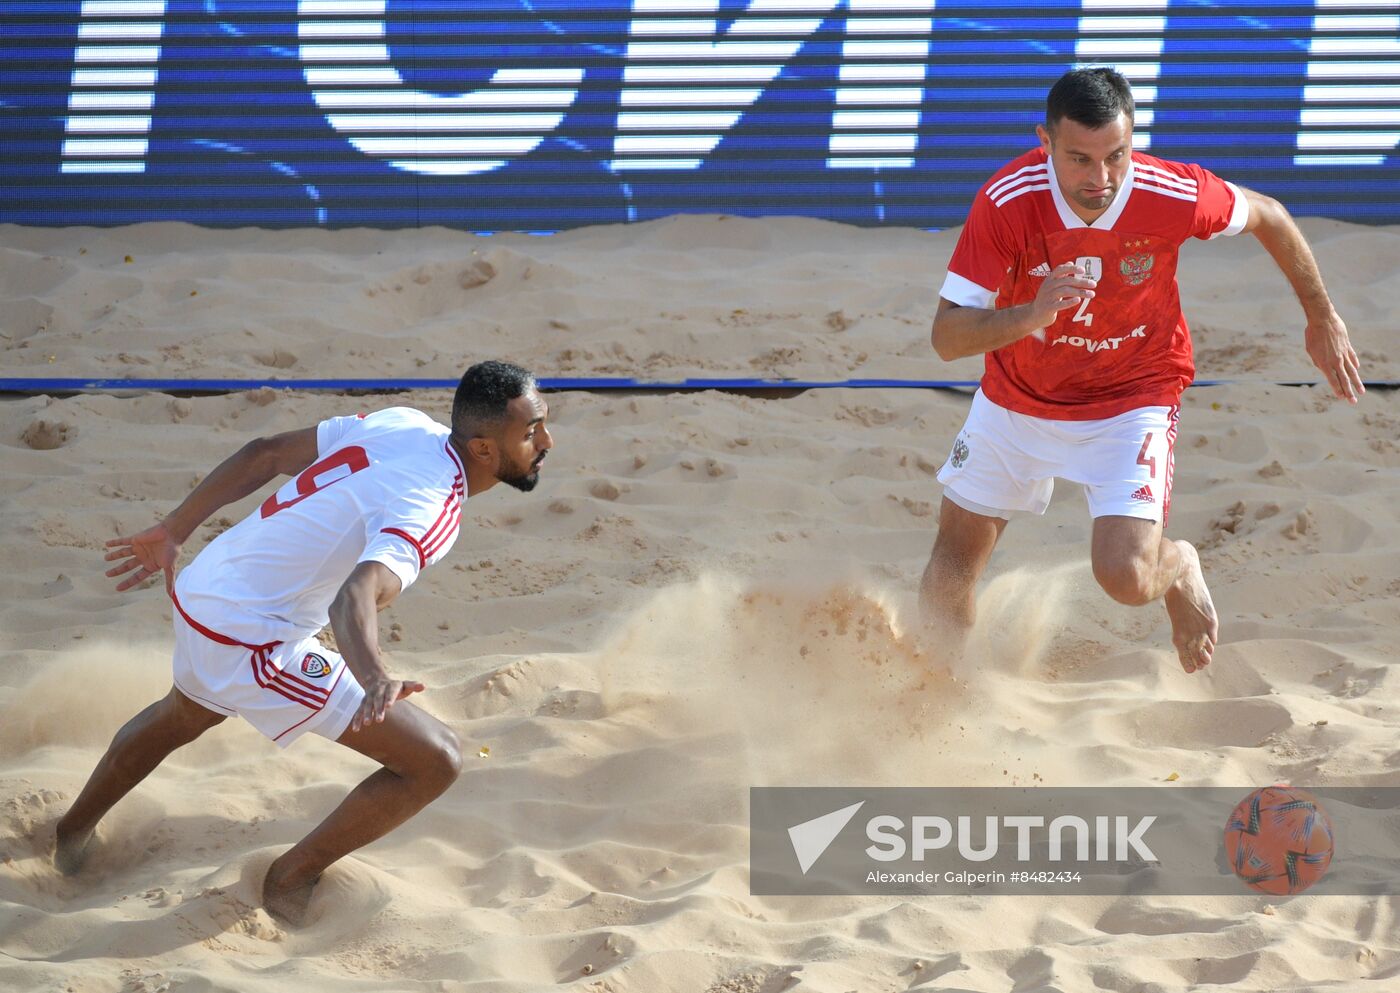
{"points": [[1107, 219]]}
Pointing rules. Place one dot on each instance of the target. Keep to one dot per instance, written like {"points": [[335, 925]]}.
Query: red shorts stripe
{"points": [[313, 713], [312, 689], [274, 681], [1174, 417], [265, 674]]}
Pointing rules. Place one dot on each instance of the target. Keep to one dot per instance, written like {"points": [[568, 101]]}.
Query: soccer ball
{"points": [[1279, 840]]}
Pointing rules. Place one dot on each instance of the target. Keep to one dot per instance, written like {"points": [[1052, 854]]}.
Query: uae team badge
{"points": [[960, 453], [1136, 269], [314, 665]]}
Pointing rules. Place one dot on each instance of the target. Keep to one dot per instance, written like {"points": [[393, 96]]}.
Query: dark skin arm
{"points": [[354, 613], [370, 588], [246, 471]]}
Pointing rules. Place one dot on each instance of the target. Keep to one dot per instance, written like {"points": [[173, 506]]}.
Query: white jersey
{"points": [[386, 487]]}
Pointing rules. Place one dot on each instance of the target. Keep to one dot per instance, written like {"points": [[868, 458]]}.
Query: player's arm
{"points": [[960, 331], [1328, 344], [354, 614], [246, 471]]}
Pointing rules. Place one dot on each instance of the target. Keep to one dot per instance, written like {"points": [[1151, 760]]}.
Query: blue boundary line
{"points": [[71, 385], [65, 385]]}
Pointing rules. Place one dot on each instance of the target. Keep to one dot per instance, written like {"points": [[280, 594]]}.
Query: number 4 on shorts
{"points": [[1148, 460]]}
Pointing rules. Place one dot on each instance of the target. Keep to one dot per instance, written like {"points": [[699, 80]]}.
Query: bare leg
{"points": [[421, 758], [1135, 565], [141, 745], [947, 592]]}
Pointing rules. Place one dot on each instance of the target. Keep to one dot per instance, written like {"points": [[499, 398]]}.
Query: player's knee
{"points": [[442, 762], [1126, 579], [188, 720]]}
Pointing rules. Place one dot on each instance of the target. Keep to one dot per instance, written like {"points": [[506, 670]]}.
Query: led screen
{"points": [[541, 114]]}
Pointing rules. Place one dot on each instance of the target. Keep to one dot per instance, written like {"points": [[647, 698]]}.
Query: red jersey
{"points": [[1127, 347]]}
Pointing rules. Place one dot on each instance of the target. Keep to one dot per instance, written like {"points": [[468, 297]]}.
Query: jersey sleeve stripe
{"points": [[453, 500], [456, 459], [1164, 177], [1005, 188], [443, 528], [431, 545], [431, 548], [1143, 184], [1025, 172], [1015, 193], [422, 559]]}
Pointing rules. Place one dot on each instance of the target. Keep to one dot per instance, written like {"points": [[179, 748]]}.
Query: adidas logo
{"points": [[1144, 493], [1040, 271]]}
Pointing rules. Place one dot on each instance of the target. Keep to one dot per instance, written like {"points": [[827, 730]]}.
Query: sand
{"points": [[707, 592]]}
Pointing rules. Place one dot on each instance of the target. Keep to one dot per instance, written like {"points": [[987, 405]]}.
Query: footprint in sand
{"points": [[276, 359], [44, 435], [477, 274]]}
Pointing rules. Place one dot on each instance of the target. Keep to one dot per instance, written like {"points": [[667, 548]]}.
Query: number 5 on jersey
{"points": [[317, 476]]}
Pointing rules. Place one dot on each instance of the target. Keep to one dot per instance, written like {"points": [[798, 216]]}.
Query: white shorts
{"points": [[1003, 462], [284, 690]]}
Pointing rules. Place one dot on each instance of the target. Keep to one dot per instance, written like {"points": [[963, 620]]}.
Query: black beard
{"points": [[524, 483]]}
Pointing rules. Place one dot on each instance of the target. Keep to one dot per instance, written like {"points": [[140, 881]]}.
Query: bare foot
{"points": [[70, 849], [286, 898], [1194, 624]]}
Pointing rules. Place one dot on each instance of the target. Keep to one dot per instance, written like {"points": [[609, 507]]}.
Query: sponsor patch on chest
{"points": [[1100, 344]]}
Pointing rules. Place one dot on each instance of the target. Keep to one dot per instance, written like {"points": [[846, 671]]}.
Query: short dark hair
{"points": [[1091, 97], [483, 394]]}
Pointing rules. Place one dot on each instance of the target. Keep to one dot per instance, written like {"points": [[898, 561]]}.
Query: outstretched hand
{"points": [[1330, 349], [380, 695], [149, 552]]}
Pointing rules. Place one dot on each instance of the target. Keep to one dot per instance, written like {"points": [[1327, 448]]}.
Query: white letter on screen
{"points": [[1351, 102], [345, 59], [1127, 35], [114, 83], [875, 124], [681, 89]]}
